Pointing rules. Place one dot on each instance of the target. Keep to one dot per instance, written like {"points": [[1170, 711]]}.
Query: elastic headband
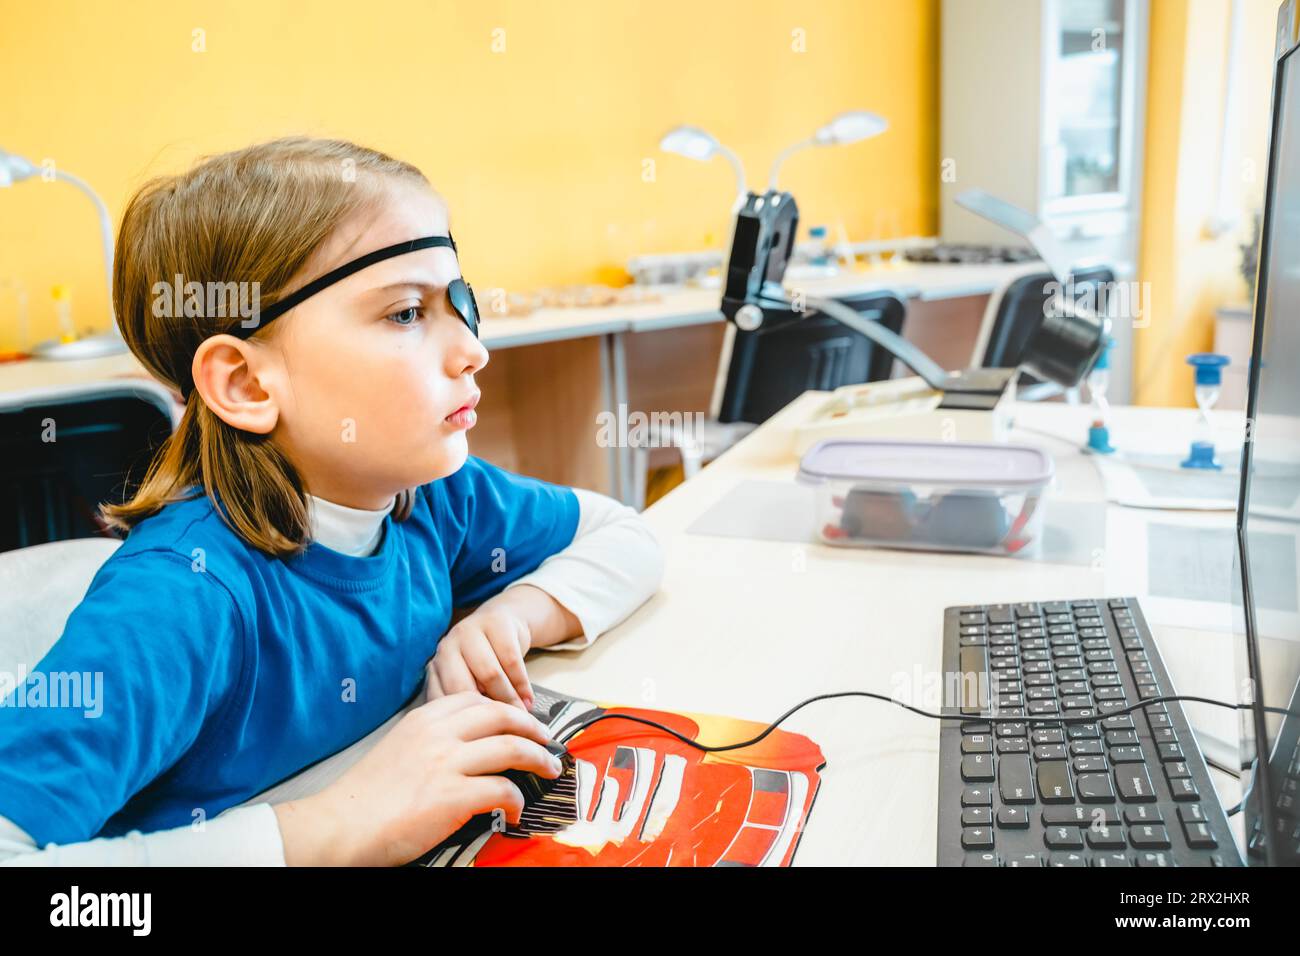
{"points": [[460, 294], [273, 312]]}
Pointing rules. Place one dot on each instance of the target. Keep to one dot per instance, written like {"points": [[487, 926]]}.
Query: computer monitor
{"points": [[1268, 514]]}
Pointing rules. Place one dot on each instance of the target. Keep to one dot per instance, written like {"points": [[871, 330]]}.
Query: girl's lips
{"points": [[465, 416]]}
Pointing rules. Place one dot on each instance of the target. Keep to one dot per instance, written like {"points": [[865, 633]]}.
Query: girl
{"points": [[299, 544]]}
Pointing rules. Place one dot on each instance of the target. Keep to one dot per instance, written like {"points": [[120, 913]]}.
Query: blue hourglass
{"points": [[1209, 379]]}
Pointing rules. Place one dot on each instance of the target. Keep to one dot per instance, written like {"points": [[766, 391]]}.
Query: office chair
{"points": [[66, 449], [762, 371], [1013, 312]]}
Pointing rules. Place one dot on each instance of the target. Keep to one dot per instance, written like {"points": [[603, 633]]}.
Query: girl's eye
{"points": [[407, 316]]}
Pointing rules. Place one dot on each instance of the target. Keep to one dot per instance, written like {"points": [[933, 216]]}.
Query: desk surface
{"points": [[676, 308], [747, 628]]}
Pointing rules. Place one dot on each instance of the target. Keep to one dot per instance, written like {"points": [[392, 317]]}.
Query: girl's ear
{"points": [[226, 375]]}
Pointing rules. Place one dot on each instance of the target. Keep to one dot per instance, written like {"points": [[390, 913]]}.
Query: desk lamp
{"points": [[694, 143], [851, 127], [1062, 348], [14, 169]]}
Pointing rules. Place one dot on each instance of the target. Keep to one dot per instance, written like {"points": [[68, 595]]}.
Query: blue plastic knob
{"points": [[1209, 367]]}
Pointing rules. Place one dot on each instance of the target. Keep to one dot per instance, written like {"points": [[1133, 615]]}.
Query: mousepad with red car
{"points": [[645, 798]]}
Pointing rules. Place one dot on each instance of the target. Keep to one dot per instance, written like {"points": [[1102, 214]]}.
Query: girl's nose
{"points": [[467, 354]]}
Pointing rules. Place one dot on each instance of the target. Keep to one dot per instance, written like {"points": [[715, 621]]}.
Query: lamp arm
{"points": [[785, 154], [105, 228], [934, 375], [742, 188]]}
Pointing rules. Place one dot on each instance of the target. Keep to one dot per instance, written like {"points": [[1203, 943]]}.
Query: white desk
{"points": [[738, 629]]}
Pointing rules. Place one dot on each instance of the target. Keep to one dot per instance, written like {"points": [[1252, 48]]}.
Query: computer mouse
{"points": [[533, 787]]}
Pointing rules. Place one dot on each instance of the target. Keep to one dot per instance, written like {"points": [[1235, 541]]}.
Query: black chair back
{"points": [[787, 355], [59, 461], [1021, 310]]}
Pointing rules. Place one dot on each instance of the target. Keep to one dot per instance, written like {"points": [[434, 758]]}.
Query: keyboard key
{"points": [[1063, 838], [1013, 818], [1079, 816], [1154, 858], [977, 838], [1048, 736], [973, 663], [1105, 838], [1191, 814], [1095, 788], [1068, 859], [1023, 859], [1143, 813], [1134, 784], [1148, 837], [1115, 738], [1176, 769], [1013, 745], [1170, 751], [1011, 730], [1111, 859], [977, 768], [1083, 732], [1014, 782], [1089, 765], [976, 816], [977, 744], [1184, 789], [1085, 748], [1054, 782], [1050, 752], [1127, 755], [980, 859], [977, 797], [1199, 836]]}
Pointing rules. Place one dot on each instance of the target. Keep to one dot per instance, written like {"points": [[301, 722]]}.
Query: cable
{"points": [[976, 718], [1254, 765]]}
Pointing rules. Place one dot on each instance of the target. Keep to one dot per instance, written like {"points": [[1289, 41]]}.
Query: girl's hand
{"points": [[436, 768], [484, 652]]}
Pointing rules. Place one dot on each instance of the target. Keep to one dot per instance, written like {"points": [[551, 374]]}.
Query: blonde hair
{"points": [[255, 215]]}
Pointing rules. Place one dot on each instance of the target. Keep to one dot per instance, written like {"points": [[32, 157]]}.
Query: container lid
{"points": [[927, 463]]}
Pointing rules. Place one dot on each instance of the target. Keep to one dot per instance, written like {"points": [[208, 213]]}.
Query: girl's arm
{"points": [[611, 568], [612, 564], [243, 836]]}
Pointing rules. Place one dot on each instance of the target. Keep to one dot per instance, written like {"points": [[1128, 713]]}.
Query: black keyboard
{"points": [[1128, 790]]}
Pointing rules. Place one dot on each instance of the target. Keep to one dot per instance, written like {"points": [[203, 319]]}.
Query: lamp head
{"points": [[691, 142], [850, 127], [14, 169]]}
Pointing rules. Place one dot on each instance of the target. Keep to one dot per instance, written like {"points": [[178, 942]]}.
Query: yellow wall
{"points": [[538, 149], [1192, 273]]}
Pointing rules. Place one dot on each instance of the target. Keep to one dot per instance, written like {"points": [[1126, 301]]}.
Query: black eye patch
{"points": [[459, 293]]}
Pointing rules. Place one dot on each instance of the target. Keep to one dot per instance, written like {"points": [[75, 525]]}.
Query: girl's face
{"points": [[373, 370]]}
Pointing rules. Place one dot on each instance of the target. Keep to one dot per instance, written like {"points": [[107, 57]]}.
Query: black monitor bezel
{"points": [[1261, 783]]}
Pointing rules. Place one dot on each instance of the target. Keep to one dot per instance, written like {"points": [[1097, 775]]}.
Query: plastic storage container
{"points": [[939, 496]]}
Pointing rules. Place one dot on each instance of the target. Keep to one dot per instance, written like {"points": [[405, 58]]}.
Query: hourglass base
{"points": [[1202, 456]]}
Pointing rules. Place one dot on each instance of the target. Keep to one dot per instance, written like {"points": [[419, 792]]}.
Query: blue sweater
{"points": [[225, 671]]}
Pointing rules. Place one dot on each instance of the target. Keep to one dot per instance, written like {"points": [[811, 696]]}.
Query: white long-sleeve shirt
{"points": [[613, 565]]}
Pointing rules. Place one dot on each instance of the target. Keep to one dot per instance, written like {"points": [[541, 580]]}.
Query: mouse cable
{"points": [[568, 734]]}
